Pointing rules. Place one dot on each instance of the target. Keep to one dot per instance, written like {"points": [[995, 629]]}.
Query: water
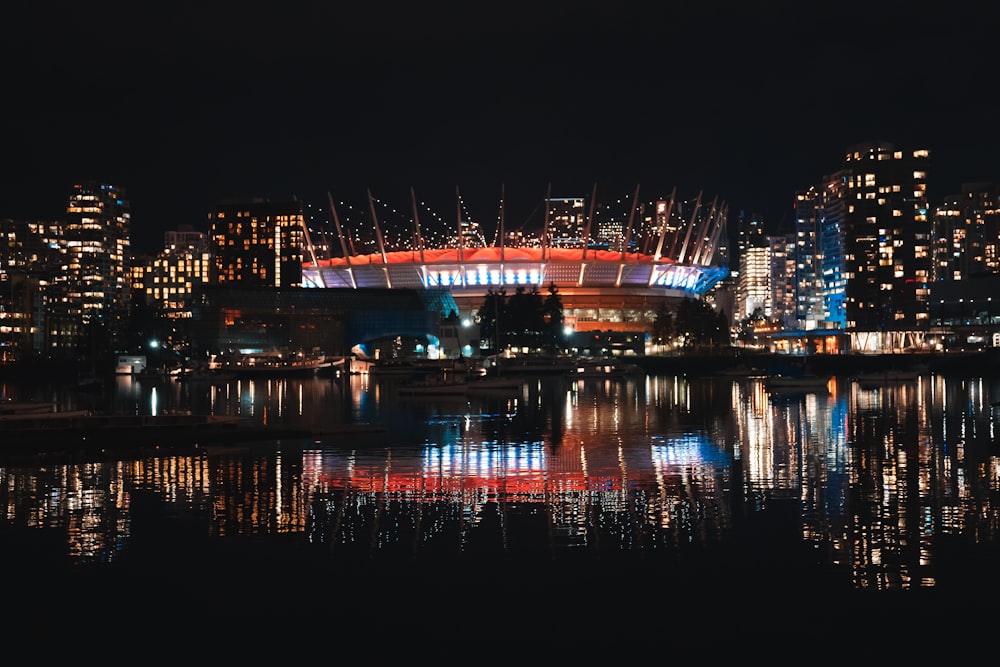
{"points": [[643, 505]]}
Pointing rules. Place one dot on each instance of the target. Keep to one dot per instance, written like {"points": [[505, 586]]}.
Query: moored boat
{"points": [[275, 362], [205, 375], [536, 365], [603, 368], [874, 379], [405, 369]]}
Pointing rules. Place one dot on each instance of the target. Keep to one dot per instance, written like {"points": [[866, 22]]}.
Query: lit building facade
{"points": [[567, 223], [753, 289], [863, 249], [31, 257], [750, 231], [171, 277], [754, 282], [820, 262], [967, 234], [832, 261], [808, 259], [88, 303], [258, 242], [887, 246], [782, 256]]}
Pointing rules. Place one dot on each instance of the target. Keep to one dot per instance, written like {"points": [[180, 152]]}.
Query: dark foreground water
{"points": [[652, 516]]}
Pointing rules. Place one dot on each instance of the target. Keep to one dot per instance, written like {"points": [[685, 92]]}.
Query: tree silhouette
{"points": [[524, 319], [700, 325], [490, 317], [552, 315], [664, 325], [526, 322]]}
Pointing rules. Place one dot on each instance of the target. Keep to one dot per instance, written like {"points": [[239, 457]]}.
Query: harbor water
{"points": [[594, 516]]}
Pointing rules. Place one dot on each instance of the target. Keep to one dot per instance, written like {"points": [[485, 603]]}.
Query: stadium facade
{"points": [[610, 279]]}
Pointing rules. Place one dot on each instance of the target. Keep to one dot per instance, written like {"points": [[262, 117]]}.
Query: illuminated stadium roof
{"points": [[681, 264], [491, 267]]}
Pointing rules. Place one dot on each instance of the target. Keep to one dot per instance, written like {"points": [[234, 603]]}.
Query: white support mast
{"points": [[311, 250], [461, 239], [381, 243], [699, 246], [418, 237], [545, 224], [720, 225], [690, 226], [308, 239], [503, 232], [343, 244], [586, 235], [628, 236], [663, 227]]}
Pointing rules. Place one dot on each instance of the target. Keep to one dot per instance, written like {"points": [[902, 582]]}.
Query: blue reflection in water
{"points": [[688, 450], [873, 481]]}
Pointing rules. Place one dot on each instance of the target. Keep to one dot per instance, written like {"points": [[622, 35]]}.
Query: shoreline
{"points": [[986, 361]]}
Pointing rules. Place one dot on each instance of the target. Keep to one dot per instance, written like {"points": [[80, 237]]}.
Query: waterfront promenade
{"points": [[688, 362]]}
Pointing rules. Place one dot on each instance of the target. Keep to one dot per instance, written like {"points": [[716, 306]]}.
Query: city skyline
{"points": [[749, 104]]}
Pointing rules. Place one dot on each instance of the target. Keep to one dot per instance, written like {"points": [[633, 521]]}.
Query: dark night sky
{"points": [[748, 102]]}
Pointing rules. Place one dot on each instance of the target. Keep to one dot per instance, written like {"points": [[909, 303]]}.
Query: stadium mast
{"points": [[690, 226], [545, 223], [628, 236], [343, 244], [663, 227], [503, 231], [586, 235], [418, 237], [699, 246], [381, 243], [720, 224]]}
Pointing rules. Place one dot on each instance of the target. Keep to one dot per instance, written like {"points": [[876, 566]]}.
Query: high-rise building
{"points": [[808, 256], [610, 235], [30, 257], [662, 222], [567, 223], [754, 286], [967, 233], [832, 263], [753, 290], [749, 231], [887, 245], [89, 302], [665, 224], [863, 249], [171, 277], [820, 283], [167, 283], [781, 249], [258, 242]]}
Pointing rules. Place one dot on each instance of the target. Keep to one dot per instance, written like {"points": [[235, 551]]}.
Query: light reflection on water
{"points": [[667, 466]]}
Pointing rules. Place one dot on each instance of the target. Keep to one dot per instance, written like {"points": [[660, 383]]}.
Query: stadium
{"points": [[612, 276]]}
